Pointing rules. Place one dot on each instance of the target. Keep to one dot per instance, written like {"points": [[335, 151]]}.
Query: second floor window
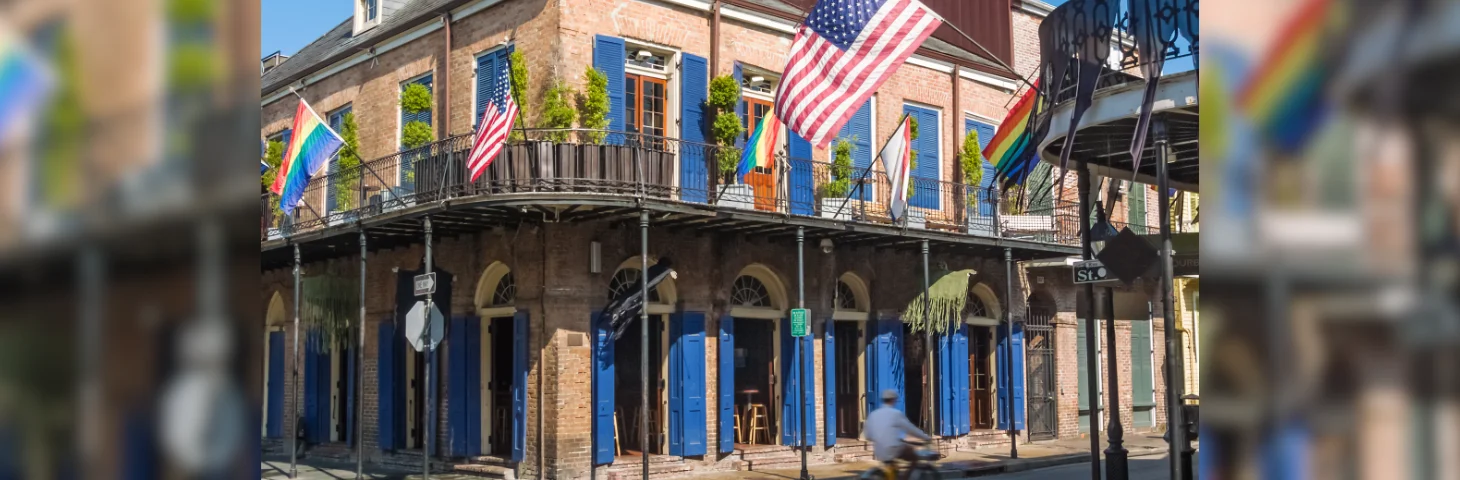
{"points": [[755, 110], [645, 97]]}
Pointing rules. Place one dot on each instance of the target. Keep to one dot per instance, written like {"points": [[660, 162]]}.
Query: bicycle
{"points": [[922, 468]]}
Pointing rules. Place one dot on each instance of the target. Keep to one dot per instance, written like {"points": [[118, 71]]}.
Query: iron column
{"points": [[1116, 467], [644, 338], [1009, 346], [928, 340], [426, 340], [359, 368], [805, 376], [293, 412], [1175, 423], [1092, 374]]}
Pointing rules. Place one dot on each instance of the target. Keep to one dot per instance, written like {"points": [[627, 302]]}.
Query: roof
{"points": [[338, 41]]}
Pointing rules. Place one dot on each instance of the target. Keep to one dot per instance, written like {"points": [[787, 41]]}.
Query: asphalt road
{"points": [[1148, 467]]}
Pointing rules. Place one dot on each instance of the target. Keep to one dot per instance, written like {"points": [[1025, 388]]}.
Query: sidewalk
{"points": [[956, 465]]}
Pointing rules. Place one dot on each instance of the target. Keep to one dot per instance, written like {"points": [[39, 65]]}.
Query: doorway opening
{"points": [[500, 332], [982, 407], [342, 361], [629, 383], [415, 398], [756, 385], [915, 370], [849, 374]]}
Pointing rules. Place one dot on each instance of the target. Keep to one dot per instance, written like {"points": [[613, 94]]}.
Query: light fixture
{"points": [[1101, 231], [757, 79], [595, 257], [826, 245], [644, 53]]}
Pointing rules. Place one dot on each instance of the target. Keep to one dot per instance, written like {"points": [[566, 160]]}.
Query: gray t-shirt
{"points": [[886, 428]]}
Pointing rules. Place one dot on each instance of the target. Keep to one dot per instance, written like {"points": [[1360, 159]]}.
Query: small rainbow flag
{"points": [[311, 147], [762, 146], [24, 82], [1284, 98], [1013, 143]]}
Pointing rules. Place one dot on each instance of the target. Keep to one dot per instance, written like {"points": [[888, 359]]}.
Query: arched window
{"points": [[749, 291], [846, 299], [627, 280], [976, 307], [506, 291]]}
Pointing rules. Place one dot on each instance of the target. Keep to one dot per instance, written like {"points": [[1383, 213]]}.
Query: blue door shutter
{"points": [[315, 376], [486, 80], [926, 179], [433, 395], [806, 352], [961, 379], [694, 91], [676, 385], [385, 386], [276, 385], [603, 391], [870, 366], [727, 384], [456, 424], [687, 384], [858, 131], [828, 388], [1018, 386], [1011, 380], [1002, 393], [473, 385], [521, 346], [803, 188], [789, 384], [895, 365], [946, 395], [608, 57]]}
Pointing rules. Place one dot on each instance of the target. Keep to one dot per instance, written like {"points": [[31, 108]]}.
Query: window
{"points": [[372, 9], [627, 280], [976, 308], [845, 298], [646, 59], [506, 291], [749, 292], [645, 97], [490, 67], [407, 175], [755, 110]]}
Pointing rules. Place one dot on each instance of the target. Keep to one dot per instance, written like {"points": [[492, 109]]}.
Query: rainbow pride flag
{"points": [[761, 148], [311, 147], [1013, 144], [1284, 98], [24, 82]]}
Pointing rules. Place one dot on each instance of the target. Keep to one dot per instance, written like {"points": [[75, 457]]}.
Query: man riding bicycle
{"points": [[887, 427]]}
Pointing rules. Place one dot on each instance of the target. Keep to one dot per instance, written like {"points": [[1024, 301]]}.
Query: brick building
{"points": [[529, 382]]}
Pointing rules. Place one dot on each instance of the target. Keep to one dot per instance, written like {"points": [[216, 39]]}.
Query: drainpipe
{"points": [[714, 38], [957, 140], [443, 126]]}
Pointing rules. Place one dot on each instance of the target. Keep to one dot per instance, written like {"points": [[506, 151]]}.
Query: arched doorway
{"points": [[847, 372], [274, 354], [1039, 351], [628, 382], [490, 347], [762, 378], [981, 317]]}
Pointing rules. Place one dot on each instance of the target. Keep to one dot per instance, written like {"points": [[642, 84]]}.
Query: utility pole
{"points": [[426, 340], [1009, 346], [644, 337]]}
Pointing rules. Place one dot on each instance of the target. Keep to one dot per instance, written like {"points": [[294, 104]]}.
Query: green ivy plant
{"points": [[518, 78], [348, 163], [912, 163], [415, 134], [557, 112], [273, 156], [726, 127], [971, 159], [415, 98], [593, 105], [841, 170]]}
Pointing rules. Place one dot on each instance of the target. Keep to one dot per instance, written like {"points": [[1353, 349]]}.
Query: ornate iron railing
{"points": [[587, 163]]}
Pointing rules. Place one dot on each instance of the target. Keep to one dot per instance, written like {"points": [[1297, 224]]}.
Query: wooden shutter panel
{"points": [[727, 384], [828, 356], [603, 389], [521, 346], [694, 90], [608, 57], [385, 386]]}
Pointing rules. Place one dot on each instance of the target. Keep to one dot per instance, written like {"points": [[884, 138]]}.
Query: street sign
{"points": [[417, 320], [1092, 271], [425, 284], [799, 325]]}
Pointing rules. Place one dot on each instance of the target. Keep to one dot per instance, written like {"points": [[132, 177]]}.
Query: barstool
{"points": [[759, 421], [739, 433]]}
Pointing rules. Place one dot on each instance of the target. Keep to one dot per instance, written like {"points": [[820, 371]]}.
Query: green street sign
{"points": [[799, 326]]}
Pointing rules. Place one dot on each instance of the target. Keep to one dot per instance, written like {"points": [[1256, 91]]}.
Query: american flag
{"points": [[497, 120], [843, 51]]}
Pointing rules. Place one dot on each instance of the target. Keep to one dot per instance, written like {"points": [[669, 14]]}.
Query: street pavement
{"points": [[1148, 467]]}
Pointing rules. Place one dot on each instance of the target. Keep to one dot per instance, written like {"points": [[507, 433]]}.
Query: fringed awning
{"points": [[330, 306], [947, 297]]}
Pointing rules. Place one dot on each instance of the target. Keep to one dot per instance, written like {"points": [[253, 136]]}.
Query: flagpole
{"points": [[863, 177]]}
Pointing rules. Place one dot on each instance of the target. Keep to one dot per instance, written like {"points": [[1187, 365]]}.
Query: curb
{"points": [[1012, 466]]}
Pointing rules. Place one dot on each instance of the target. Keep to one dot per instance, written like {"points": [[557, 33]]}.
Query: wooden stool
{"points": [[617, 449], [739, 433], [759, 421]]}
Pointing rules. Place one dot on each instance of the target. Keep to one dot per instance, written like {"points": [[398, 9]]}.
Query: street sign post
{"points": [[425, 284], [1092, 271], [799, 326]]}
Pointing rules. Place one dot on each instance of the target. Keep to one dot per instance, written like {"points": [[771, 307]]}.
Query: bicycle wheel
{"points": [[923, 472]]}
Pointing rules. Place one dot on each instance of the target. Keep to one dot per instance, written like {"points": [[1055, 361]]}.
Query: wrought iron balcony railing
{"points": [[588, 163]]}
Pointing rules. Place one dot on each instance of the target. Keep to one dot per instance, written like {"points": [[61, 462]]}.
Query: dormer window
{"points": [[367, 15], [372, 10]]}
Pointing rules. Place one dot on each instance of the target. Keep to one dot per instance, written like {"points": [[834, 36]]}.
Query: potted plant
{"points": [[725, 128], [971, 160], [834, 200]]}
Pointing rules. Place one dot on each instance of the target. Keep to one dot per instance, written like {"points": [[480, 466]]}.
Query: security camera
{"points": [[826, 245]]}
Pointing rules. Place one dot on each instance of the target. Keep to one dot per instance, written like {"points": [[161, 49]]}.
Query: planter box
{"points": [[1027, 223], [736, 196], [829, 207], [981, 225], [916, 219]]}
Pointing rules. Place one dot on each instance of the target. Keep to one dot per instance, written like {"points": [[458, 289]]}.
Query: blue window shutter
{"points": [[694, 91], [789, 384], [692, 356], [727, 384], [276, 385], [828, 356], [521, 347], [946, 395], [603, 391], [961, 379], [803, 189], [608, 57], [740, 107], [336, 121], [1018, 387], [896, 366], [486, 79], [677, 377], [926, 183], [1002, 364], [286, 137], [421, 116], [385, 386], [456, 423], [858, 130]]}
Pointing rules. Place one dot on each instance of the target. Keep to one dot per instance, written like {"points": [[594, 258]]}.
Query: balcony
{"points": [[563, 175]]}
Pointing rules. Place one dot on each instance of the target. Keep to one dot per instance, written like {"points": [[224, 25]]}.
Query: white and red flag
{"points": [[843, 51], [897, 162], [497, 121]]}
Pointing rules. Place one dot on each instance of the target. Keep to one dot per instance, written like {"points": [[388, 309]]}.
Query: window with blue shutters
{"points": [[858, 130], [987, 199], [491, 66], [407, 168], [608, 58], [926, 178], [336, 121]]}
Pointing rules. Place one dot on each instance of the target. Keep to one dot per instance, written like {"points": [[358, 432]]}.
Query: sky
{"points": [[289, 25]]}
